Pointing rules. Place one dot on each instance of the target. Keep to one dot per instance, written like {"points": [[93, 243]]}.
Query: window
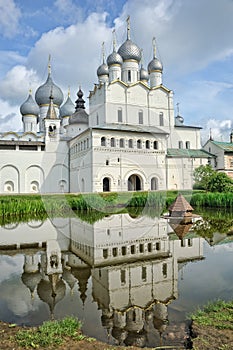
{"points": [[139, 144], [113, 142], [132, 249], [149, 247], [105, 253], [123, 250], [130, 143], [141, 248], [157, 246], [164, 269], [122, 143], [129, 76], [140, 117], [97, 119], [107, 162], [180, 144], [161, 120], [114, 252], [155, 145], [154, 184], [147, 144], [123, 277], [103, 141], [143, 273], [119, 115], [187, 144]]}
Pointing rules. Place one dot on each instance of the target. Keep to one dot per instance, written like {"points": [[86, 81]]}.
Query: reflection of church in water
{"points": [[133, 263]]}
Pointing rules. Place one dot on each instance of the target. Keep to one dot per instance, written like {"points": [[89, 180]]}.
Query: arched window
{"points": [[187, 144], [103, 141], [129, 76], [154, 184], [122, 143], [106, 184], [180, 144], [140, 117], [147, 144], [139, 144], [130, 143], [119, 115], [155, 145], [113, 142], [161, 119]]}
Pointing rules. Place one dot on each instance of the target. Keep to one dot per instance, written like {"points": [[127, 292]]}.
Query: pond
{"points": [[131, 280]]}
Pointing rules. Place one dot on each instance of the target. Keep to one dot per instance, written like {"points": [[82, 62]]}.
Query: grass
{"points": [[218, 314], [51, 333]]}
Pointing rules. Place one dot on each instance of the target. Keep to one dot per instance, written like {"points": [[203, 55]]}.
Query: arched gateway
{"points": [[134, 183]]}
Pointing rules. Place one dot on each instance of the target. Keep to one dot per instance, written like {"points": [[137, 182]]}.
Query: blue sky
{"points": [[194, 40]]}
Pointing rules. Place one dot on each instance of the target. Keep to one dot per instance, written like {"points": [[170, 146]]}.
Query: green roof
{"points": [[188, 153], [226, 146]]}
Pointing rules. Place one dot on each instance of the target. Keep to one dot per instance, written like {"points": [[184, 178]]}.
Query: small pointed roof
{"points": [[180, 205]]}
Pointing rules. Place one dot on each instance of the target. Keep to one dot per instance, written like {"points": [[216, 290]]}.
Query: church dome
{"points": [[144, 74], [129, 51], [29, 107], [44, 91], [67, 109], [102, 70], [114, 58], [155, 65]]}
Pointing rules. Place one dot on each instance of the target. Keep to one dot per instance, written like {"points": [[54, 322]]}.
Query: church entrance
{"points": [[134, 183], [106, 184]]}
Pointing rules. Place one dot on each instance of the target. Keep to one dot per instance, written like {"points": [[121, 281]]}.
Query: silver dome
{"points": [[144, 74], [29, 107], [114, 58], [44, 91], [67, 109], [102, 70], [130, 51], [155, 65]]}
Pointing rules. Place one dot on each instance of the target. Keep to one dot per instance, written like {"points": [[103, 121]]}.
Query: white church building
{"points": [[130, 140]]}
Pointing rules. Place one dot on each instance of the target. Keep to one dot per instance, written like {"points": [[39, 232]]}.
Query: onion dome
{"points": [[43, 92], [29, 107], [179, 120], [144, 74], [68, 108], [114, 57], [128, 50], [155, 64], [103, 68]]}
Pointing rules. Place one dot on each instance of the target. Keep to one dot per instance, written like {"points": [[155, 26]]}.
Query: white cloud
{"points": [[9, 18]]}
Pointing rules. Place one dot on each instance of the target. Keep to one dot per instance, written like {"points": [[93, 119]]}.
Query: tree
{"points": [[208, 179], [220, 182], [202, 175]]}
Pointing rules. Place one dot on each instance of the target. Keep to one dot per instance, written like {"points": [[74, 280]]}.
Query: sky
{"points": [[194, 42]]}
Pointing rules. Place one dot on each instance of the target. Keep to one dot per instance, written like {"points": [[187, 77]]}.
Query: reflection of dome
{"points": [[29, 107], [31, 280], [52, 291], [82, 274], [119, 334], [69, 278], [136, 339], [160, 317], [43, 93]]}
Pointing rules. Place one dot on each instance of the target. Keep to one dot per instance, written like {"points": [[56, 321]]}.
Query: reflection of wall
{"points": [[119, 237]]}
